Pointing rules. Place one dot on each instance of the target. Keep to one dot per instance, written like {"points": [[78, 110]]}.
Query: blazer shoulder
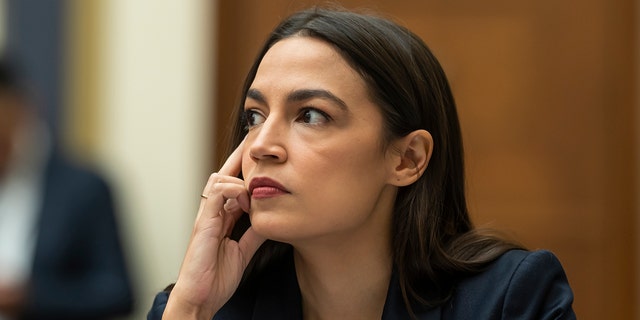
{"points": [[539, 289], [518, 285]]}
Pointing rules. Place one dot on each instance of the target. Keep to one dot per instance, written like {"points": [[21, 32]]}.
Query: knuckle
{"points": [[218, 187]]}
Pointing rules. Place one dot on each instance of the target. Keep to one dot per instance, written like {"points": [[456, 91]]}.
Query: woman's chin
{"points": [[273, 227]]}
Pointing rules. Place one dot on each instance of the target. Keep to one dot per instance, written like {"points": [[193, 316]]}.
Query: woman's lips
{"points": [[263, 187]]}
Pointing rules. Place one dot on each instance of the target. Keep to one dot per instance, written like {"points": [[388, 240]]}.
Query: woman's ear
{"points": [[411, 157]]}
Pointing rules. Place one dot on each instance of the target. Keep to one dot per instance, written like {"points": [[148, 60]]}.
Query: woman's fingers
{"points": [[232, 212], [213, 264], [205, 192], [220, 194], [230, 169], [233, 165]]}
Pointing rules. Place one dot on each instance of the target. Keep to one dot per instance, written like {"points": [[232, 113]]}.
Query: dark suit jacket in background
{"points": [[79, 269], [519, 285]]}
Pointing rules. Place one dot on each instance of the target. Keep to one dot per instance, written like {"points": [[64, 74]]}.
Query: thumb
{"points": [[249, 244]]}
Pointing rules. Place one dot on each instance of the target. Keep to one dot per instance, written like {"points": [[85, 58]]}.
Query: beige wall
{"points": [[138, 107]]}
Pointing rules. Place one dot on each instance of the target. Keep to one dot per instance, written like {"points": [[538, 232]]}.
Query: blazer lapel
{"points": [[395, 308]]}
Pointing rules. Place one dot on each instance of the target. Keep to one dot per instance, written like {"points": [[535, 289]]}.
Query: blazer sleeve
{"points": [[158, 306], [538, 289]]}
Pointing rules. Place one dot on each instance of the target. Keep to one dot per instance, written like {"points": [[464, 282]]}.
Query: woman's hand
{"points": [[214, 264]]}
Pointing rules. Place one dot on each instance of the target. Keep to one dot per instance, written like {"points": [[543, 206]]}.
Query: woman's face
{"points": [[312, 160]]}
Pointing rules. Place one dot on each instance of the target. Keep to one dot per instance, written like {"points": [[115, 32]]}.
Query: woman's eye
{"points": [[253, 118], [313, 116]]}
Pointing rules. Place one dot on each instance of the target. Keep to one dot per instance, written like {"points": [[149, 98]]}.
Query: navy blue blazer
{"points": [[78, 271], [519, 285]]}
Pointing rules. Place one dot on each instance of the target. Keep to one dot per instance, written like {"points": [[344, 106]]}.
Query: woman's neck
{"points": [[348, 280]]}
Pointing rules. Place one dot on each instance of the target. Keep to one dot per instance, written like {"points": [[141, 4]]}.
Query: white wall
{"points": [[154, 127]]}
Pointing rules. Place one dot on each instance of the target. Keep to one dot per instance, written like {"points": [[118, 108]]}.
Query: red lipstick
{"points": [[263, 187]]}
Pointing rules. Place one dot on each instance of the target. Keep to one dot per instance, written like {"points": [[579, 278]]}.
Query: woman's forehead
{"points": [[302, 50], [302, 61]]}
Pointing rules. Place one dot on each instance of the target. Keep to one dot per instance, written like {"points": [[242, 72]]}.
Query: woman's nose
{"points": [[268, 143]]}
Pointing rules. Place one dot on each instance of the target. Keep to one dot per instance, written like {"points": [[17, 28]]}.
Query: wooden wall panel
{"points": [[545, 92]]}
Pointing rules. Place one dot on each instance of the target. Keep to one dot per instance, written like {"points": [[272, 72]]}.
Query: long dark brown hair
{"points": [[434, 242]]}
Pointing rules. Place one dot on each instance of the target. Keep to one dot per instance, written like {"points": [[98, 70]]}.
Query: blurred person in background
{"points": [[60, 252]]}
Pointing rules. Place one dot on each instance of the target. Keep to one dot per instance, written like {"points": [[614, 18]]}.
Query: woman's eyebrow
{"points": [[256, 95], [306, 94], [300, 95]]}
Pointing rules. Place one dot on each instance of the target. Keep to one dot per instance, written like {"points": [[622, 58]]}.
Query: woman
{"points": [[348, 159]]}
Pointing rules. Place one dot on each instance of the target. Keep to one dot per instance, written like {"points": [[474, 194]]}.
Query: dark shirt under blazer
{"points": [[519, 285]]}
